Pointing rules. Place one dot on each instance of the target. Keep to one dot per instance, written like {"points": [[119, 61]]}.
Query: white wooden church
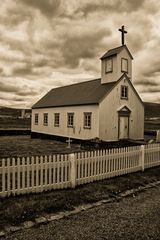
{"points": [[108, 108]]}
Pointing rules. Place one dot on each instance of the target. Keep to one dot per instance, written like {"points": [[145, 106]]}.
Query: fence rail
{"points": [[152, 155], [37, 174]]}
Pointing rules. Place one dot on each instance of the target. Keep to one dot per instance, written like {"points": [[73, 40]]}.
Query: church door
{"points": [[123, 122], [123, 127]]}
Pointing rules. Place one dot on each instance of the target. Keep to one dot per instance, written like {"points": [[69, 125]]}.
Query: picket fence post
{"points": [[72, 170], [142, 157], [158, 136]]}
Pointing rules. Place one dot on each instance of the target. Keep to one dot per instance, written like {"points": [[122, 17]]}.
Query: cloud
{"points": [[50, 43], [88, 7], [49, 8], [23, 70], [84, 46], [19, 88], [8, 88], [147, 82]]}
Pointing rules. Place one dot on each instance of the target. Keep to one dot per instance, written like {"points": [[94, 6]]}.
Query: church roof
{"points": [[115, 51], [84, 93]]}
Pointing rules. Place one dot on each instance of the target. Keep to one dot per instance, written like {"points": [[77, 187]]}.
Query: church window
{"points": [[109, 65], [56, 119], [45, 119], [124, 65], [124, 92], [36, 119], [70, 120], [87, 120]]}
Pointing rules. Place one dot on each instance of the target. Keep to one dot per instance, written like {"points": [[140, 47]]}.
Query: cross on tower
{"points": [[123, 32]]}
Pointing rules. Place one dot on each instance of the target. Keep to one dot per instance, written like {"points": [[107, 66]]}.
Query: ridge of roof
{"points": [[76, 83], [115, 51]]}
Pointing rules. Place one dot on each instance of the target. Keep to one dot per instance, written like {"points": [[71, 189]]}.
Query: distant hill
{"points": [[12, 112], [152, 110]]}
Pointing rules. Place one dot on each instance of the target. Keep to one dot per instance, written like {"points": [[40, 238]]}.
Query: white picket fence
{"points": [[37, 174]]}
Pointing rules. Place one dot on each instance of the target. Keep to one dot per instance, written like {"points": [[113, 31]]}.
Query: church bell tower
{"points": [[116, 62]]}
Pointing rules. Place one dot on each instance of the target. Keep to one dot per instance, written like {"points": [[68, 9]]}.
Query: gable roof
{"points": [[115, 51], [84, 93]]}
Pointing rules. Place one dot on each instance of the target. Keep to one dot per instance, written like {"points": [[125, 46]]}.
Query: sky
{"points": [[51, 43]]}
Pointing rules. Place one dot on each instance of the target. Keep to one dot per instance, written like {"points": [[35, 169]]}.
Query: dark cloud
{"points": [[49, 8], [22, 71], [130, 6], [41, 63], [152, 71], [4, 87], [16, 45], [23, 90], [147, 82], [85, 46], [18, 99], [28, 92], [1, 71], [151, 90], [110, 6], [15, 14]]}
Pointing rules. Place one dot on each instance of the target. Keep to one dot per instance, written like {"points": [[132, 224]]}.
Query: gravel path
{"points": [[136, 217]]}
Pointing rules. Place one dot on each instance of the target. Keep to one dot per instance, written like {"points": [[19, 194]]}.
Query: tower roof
{"points": [[115, 51]]}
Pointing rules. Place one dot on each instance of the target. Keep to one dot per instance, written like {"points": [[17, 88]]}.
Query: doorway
{"points": [[123, 122], [123, 127]]}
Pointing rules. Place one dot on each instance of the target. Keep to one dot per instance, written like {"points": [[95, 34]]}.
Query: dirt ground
{"points": [[132, 218]]}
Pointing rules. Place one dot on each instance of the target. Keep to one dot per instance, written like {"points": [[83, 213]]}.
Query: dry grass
{"points": [[152, 125], [16, 146], [12, 123]]}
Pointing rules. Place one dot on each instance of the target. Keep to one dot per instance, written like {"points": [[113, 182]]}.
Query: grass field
{"points": [[15, 123], [152, 125], [17, 146], [24, 145]]}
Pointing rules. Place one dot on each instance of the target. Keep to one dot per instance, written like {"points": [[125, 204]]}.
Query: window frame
{"points": [[124, 92], [36, 119], [86, 121], [70, 122], [45, 119], [107, 61], [122, 70], [56, 123]]}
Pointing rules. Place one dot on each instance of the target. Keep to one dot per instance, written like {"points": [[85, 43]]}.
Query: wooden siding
{"points": [[111, 76], [108, 114], [116, 73], [124, 54], [78, 131]]}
